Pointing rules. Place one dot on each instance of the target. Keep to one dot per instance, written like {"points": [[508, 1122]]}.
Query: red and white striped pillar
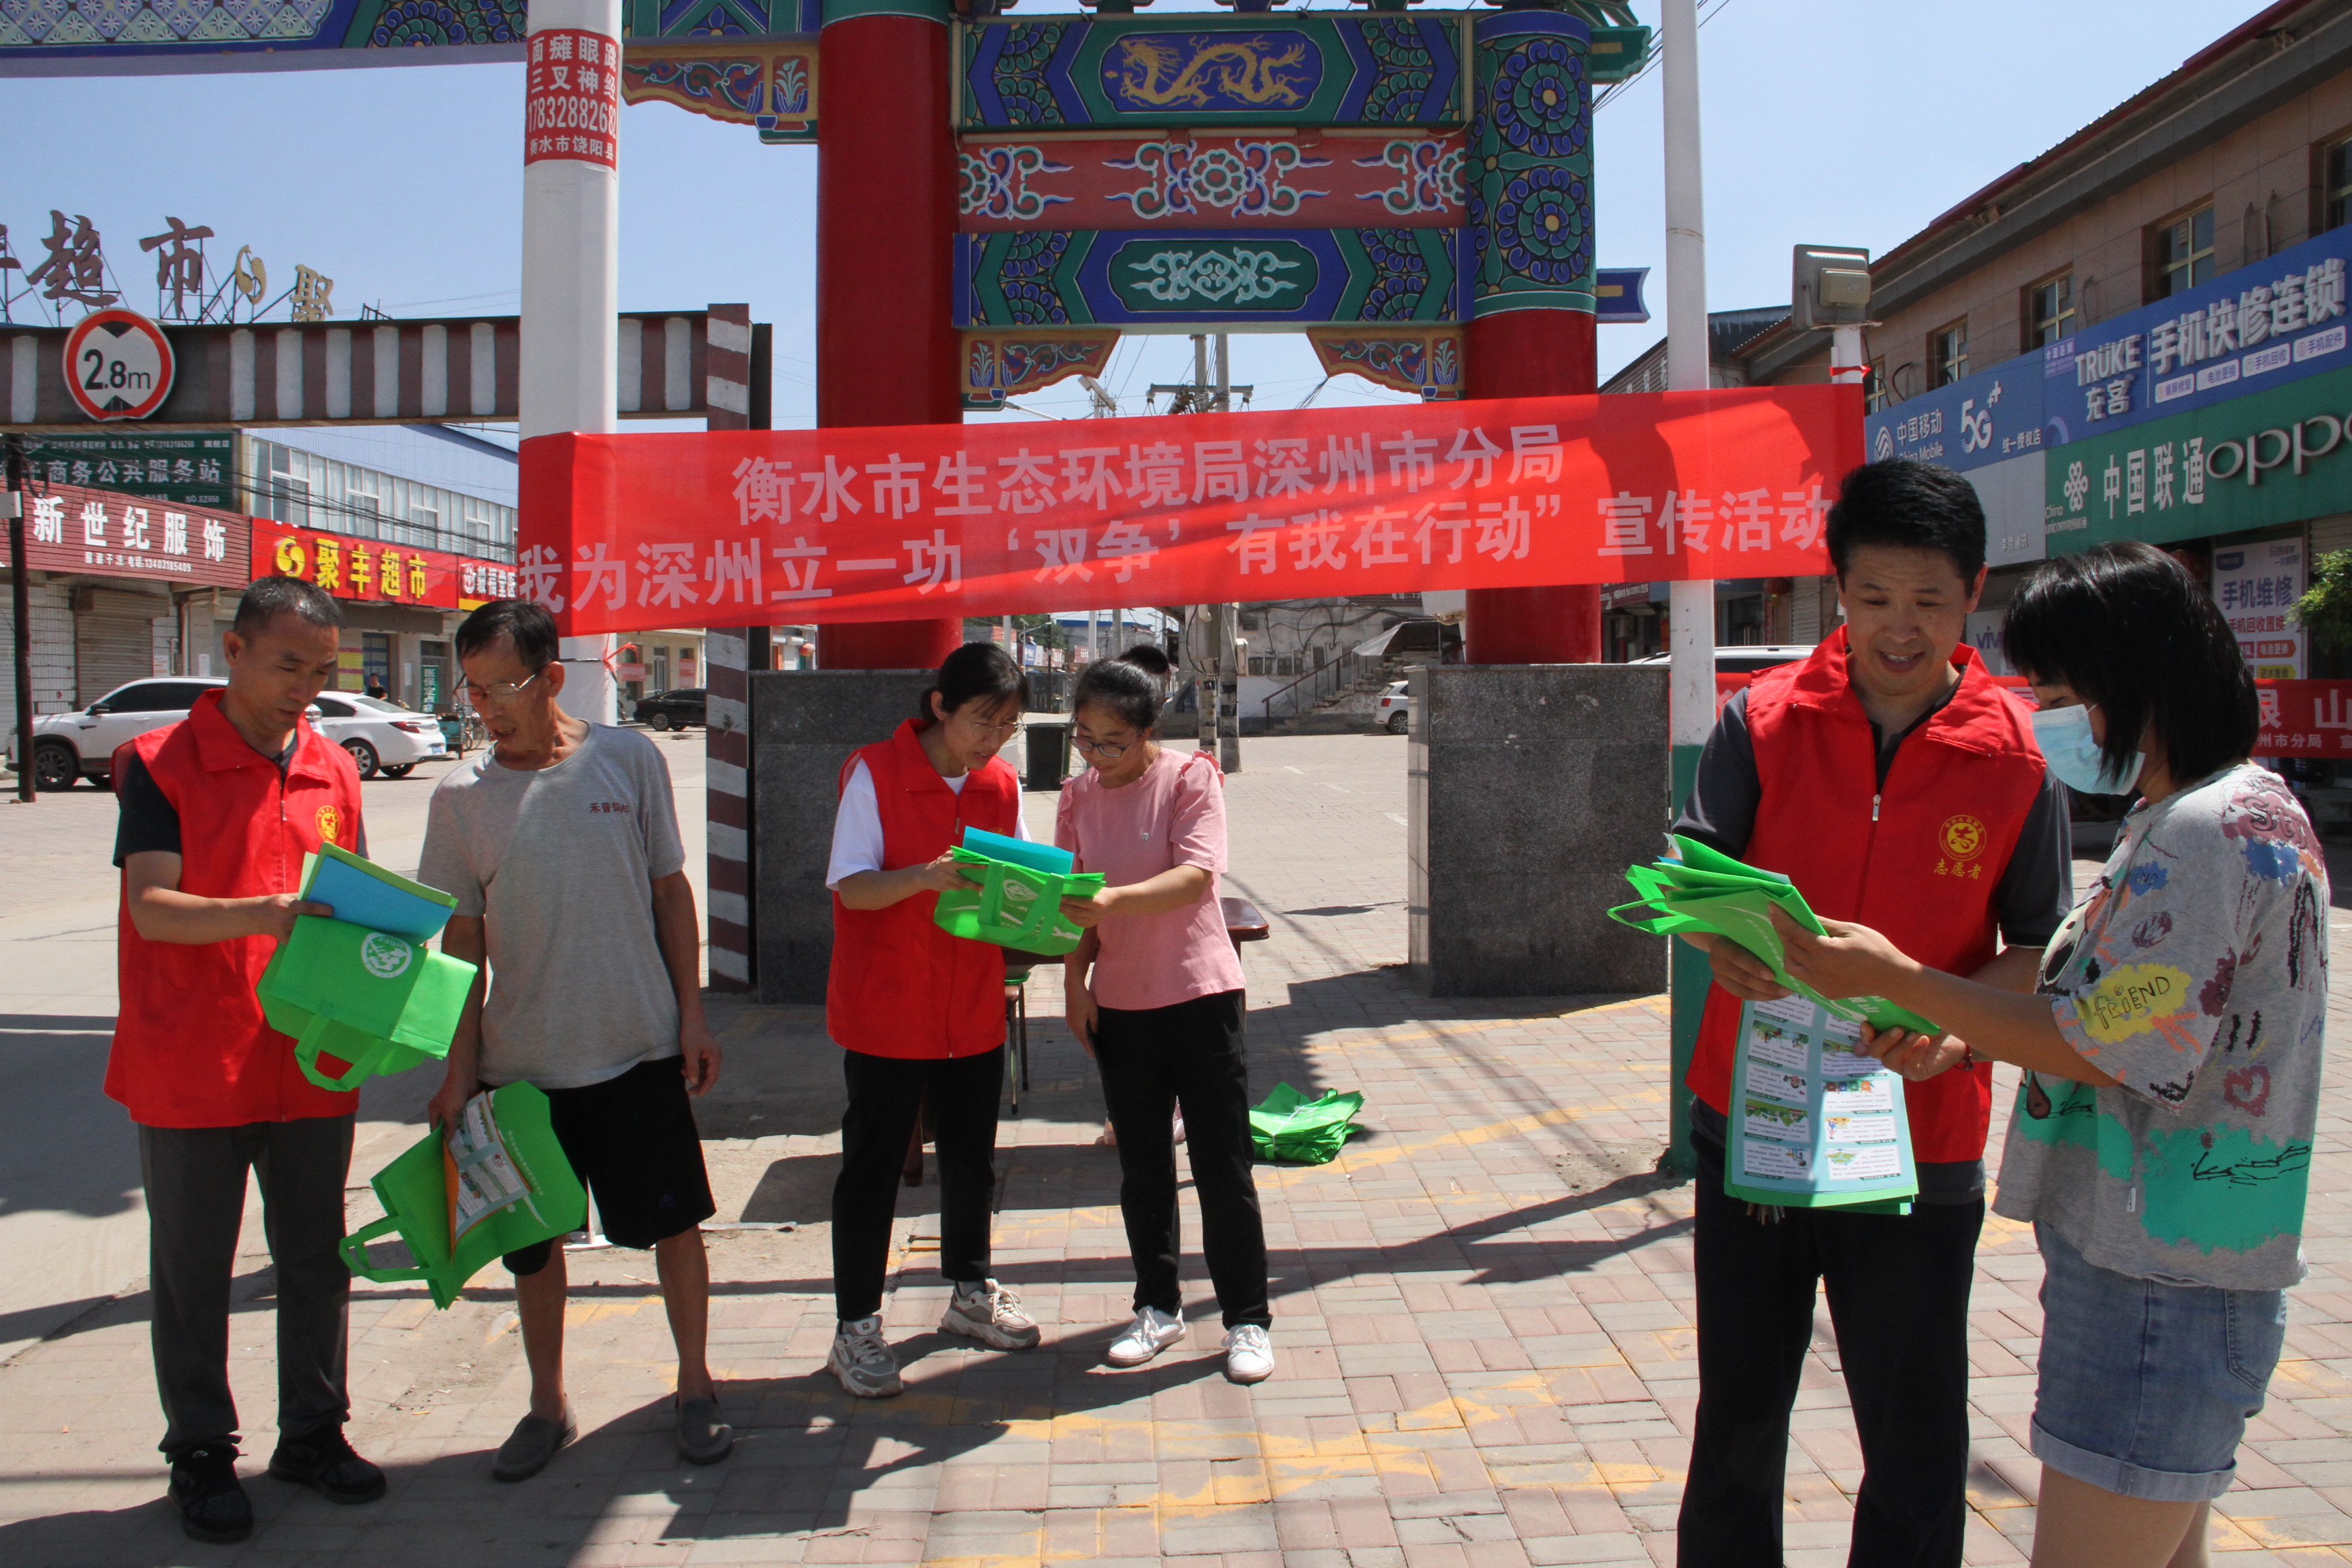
{"points": [[726, 664]]}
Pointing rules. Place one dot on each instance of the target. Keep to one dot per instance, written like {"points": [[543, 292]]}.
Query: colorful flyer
{"points": [[1819, 1124]]}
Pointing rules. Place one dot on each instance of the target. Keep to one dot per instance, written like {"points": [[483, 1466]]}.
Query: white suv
{"points": [[70, 746], [380, 736]]}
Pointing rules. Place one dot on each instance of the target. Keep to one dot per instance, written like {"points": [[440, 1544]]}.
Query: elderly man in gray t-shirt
{"points": [[560, 843]]}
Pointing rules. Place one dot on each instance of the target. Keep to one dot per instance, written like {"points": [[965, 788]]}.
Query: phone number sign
{"points": [[118, 364]]}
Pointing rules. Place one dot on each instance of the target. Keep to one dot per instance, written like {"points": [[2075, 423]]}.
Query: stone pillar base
{"points": [[804, 724], [1531, 788]]}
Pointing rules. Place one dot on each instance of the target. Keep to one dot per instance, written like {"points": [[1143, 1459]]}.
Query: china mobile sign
{"points": [[633, 532], [367, 569]]}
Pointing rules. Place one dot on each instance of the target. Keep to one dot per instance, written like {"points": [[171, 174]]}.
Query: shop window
{"points": [[2181, 254], [2336, 187], [1874, 389], [1948, 354], [2049, 310]]}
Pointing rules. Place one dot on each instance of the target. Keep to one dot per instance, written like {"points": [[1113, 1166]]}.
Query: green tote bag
{"points": [[375, 1002], [363, 989], [495, 1184]]}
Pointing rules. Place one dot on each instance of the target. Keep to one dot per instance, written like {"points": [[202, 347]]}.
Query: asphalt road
{"points": [[72, 1223]]}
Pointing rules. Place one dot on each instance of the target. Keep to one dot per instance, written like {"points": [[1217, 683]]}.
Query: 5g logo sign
{"points": [[1976, 426]]}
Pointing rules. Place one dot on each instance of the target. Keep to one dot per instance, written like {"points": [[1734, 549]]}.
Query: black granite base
{"points": [[1531, 788]]}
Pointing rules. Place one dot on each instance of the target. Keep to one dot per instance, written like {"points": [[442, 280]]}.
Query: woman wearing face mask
{"points": [[2171, 1057], [1162, 1010], [914, 1009]]}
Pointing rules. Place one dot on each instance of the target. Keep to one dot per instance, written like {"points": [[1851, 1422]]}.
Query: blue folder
{"points": [[364, 893]]}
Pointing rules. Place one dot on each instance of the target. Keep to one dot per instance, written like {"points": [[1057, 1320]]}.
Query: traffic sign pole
{"points": [[20, 604]]}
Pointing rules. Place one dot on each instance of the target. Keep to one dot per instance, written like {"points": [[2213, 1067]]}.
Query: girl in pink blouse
{"points": [[1155, 996]]}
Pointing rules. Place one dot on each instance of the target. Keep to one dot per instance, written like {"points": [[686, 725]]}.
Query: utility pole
{"points": [[1691, 603], [12, 507]]}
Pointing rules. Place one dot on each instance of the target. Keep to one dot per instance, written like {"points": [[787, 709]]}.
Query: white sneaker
{"points": [[1249, 1355], [1152, 1331], [863, 1360], [990, 1313]]}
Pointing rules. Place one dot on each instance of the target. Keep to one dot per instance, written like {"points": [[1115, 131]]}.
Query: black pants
{"points": [[195, 1178], [1190, 1055], [885, 1092], [1898, 1293]]}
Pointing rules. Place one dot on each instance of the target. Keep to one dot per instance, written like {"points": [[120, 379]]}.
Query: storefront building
{"points": [[120, 587], [401, 604], [2140, 335]]}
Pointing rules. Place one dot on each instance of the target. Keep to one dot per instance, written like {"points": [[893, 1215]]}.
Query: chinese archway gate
{"points": [[998, 201]]}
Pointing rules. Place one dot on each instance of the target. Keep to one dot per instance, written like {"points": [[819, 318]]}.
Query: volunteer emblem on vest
{"points": [[1963, 841], [330, 822], [385, 956]]}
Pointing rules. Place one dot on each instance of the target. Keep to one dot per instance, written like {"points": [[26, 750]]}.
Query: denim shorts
{"points": [[2146, 1387]]}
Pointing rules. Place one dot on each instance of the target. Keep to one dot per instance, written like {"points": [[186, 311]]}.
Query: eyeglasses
{"points": [[1107, 751], [985, 727], [497, 692]]}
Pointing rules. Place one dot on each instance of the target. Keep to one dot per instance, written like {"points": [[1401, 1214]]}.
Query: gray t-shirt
{"points": [[2196, 973], [560, 862]]}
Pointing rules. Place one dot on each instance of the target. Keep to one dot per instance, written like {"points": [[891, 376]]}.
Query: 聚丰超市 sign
{"points": [[375, 570], [2278, 456], [74, 529]]}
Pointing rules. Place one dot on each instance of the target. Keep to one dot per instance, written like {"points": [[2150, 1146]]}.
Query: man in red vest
{"points": [[217, 811], [1892, 780]]}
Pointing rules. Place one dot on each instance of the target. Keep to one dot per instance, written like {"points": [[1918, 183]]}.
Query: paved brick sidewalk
{"points": [[1481, 1312]]}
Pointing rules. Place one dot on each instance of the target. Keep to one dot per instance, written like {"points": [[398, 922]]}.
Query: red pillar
{"points": [[886, 192], [1533, 353]]}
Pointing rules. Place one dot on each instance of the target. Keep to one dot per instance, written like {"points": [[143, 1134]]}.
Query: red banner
{"points": [[891, 522], [71, 528], [368, 569]]}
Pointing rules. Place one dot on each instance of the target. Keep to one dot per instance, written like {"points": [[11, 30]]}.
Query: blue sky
{"points": [[1846, 121]]}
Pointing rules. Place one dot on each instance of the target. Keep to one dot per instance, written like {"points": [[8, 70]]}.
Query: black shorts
{"points": [[632, 1142]]}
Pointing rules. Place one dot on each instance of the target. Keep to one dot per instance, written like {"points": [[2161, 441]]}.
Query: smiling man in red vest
{"points": [[217, 811], [1892, 780]]}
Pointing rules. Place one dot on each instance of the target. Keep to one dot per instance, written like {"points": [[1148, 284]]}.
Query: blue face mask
{"points": [[2064, 736]]}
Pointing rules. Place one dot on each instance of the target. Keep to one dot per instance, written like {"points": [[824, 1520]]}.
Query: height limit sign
{"points": [[117, 366]]}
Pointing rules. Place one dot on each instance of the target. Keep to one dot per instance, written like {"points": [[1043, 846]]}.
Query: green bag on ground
{"points": [[1287, 1125], [365, 992], [1019, 901], [495, 1183]]}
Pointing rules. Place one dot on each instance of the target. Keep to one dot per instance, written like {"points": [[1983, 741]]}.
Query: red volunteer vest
{"points": [[189, 1046], [899, 986], [1919, 858]]}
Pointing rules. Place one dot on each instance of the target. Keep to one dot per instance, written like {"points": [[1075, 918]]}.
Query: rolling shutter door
{"points": [[114, 640]]}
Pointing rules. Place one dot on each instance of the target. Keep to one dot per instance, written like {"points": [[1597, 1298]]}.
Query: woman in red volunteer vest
{"points": [[1897, 784], [914, 1009]]}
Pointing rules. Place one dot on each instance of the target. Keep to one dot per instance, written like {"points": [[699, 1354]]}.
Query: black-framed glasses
{"points": [[1108, 752]]}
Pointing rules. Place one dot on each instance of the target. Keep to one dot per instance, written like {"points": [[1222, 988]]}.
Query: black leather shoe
{"points": [[324, 1462], [211, 1501]]}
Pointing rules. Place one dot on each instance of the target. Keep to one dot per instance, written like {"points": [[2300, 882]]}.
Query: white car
{"points": [[381, 737], [1394, 709], [70, 746]]}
